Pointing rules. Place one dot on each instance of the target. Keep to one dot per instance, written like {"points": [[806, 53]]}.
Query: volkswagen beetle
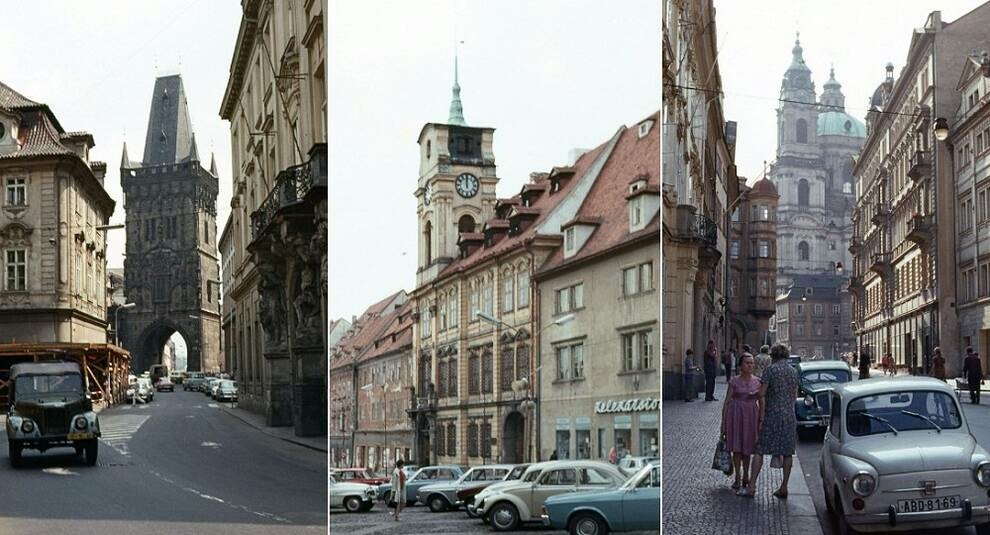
{"points": [[898, 455]]}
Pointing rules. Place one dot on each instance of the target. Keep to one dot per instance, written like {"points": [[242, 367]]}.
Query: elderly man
{"points": [[973, 370]]}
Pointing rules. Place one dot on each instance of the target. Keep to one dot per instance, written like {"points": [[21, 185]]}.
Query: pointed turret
{"points": [[169, 137], [125, 162], [832, 96], [797, 84], [213, 165], [456, 110], [193, 153]]}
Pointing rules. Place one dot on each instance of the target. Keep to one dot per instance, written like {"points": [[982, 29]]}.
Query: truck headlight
{"points": [[80, 423], [983, 474], [809, 401], [864, 484], [27, 426]]}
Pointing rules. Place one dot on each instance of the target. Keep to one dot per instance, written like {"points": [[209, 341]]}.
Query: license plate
{"points": [[928, 504], [80, 436]]}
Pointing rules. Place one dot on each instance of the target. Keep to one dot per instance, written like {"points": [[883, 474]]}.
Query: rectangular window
{"points": [[799, 329], [836, 309], [835, 330], [563, 300], [734, 249], [646, 277], [577, 361], [16, 191], [569, 298], [818, 309], [90, 277], [764, 212], [474, 370], [646, 350], [508, 292], [764, 288], [452, 310], [799, 309], [443, 318], [523, 289], [16, 270], [981, 205], [636, 211], [628, 352], [764, 249], [487, 298], [473, 304], [630, 281]]}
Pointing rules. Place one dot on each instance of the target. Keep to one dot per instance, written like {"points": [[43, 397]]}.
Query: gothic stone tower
{"points": [[171, 271], [456, 187]]}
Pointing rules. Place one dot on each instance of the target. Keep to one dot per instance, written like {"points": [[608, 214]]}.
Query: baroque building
{"points": [[277, 107], [171, 272], [814, 315], [52, 245], [699, 188]]}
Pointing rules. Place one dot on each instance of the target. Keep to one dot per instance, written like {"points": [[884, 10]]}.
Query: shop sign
{"points": [[627, 405], [563, 424], [582, 422], [623, 422], [648, 421]]}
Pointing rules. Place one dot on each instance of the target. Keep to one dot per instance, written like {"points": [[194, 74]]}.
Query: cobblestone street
{"points": [[698, 500]]}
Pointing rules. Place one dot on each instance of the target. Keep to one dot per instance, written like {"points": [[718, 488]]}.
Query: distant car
{"points": [[226, 390], [193, 381], [141, 390], [467, 492], [631, 465], [818, 379], [210, 387], [358, 475], [164, 384], [899, 455], [176, 377], [355, 497], [794, 360], [443, 496], [635, 505], [424, 476], [522, 501]]}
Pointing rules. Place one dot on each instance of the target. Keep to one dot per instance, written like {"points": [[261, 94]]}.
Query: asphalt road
{"points": [[419, 519], [809, 453], [176, 465]]}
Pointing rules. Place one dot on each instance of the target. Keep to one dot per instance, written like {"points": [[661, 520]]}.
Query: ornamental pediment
{"points": [[16, 233]]}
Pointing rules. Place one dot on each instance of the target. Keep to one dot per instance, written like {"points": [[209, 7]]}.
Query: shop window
{"points": [[623, 435], [563, 446], [583, 437], [649, 435]]}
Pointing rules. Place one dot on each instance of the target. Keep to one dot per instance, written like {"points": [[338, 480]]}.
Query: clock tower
{"points": [[456, 186]]}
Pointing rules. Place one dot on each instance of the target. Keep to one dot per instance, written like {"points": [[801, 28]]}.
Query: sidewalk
{"points": [[285, 433], [698, 500]]}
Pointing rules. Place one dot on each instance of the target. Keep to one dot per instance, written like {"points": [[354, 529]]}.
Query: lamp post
{"points": [[116, 322]]}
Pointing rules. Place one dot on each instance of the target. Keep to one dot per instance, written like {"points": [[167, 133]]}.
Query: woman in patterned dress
{"points": [[778, 423], [740, 416]]}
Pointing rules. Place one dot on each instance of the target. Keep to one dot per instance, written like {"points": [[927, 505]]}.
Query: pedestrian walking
{"points": [[710, 364], [738, 362], [864, 365], [553, 456], [741, 418], [938, 365], [727, 357], [762, 361], [398, 489], [613, 457], [778, 424], [689, 370], [888, 365], [973, 370]]}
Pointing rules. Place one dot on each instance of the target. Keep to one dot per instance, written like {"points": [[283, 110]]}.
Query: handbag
{"points": [[723, 458]]}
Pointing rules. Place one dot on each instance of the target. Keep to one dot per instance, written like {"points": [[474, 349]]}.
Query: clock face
{"points": [[466, 185]]}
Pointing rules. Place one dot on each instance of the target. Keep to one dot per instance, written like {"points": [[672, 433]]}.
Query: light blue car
{"points": [[633, 506], [424, 476]]}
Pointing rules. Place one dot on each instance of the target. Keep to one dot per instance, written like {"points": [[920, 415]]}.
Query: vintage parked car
{"points": [[226, 390], [522, 501], [165, 384], [355, 497], [193, 381], [424, 476], [210, 387], [817, 381], [631, 465], [50, 408], [141, 390], [443, 496], [898, 455], [633, 506], [357, 475], [466, 494]]}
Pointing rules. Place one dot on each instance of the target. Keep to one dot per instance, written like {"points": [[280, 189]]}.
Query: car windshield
{"points": [[532, 475], [227, 384], [644, 478], [48, 384], [825, 376], [516, 472], [899, 411]]}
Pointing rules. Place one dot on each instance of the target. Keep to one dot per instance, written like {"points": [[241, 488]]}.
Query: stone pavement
{"points": [[285, 433], [698, 500]]}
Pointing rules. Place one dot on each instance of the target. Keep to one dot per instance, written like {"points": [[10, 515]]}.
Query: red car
{"points": [[164, 384], [358, 475]]}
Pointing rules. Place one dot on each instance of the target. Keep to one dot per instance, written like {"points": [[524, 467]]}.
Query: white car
{"points": [[632, 465], [355, 497], [898, 455]]}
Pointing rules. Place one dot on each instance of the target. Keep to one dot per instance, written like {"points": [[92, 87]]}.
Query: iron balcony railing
{"points": [[705, 230], [291, 187]]}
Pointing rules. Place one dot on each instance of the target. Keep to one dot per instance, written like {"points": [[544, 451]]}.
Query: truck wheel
{"points": [[14, 450], [92, 449]]}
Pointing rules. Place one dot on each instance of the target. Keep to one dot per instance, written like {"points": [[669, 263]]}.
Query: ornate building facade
{"points": [[277, 107], [171, 271], [753, 264], [53, 250]]}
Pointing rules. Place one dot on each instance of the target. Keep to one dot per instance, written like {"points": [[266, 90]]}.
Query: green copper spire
{"points": [[456, 110]]}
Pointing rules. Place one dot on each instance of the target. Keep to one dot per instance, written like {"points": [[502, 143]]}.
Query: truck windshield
{"points": [[48, 384]]}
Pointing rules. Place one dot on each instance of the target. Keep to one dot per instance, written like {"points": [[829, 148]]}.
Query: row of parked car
{"points": [[581, 496], [218, 388]]}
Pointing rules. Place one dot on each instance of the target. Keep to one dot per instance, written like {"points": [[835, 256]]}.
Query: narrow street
{"points": [[176, 465]]}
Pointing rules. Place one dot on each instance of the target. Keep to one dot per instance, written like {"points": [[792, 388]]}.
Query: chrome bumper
{"points": [[923, 520], [545, 519]]}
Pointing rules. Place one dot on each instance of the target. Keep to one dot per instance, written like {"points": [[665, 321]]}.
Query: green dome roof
{"points": [[839, 123]]}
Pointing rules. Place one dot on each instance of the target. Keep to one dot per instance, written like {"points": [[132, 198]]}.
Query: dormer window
{"points": [[569, 239], [636, 211], [644, 128]]}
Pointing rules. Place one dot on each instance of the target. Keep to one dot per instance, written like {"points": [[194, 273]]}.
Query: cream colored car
{"points": [[522, 501]]}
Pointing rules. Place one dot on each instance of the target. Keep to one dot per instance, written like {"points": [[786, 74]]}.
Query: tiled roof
{"points": [[364, 331], [12, 100], [37, 136], [606, 201], [542, 203], [396, 335]]}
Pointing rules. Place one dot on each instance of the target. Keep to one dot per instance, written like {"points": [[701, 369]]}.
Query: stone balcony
{"points": [[881, 264], [855, 244], [919, 229], [920, 166], [879, 214]]}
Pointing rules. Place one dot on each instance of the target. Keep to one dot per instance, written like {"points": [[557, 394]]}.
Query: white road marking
{"points": [[118, 429], [213, 445], [60, 472]]}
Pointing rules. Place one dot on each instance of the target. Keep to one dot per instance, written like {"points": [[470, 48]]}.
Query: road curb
{"points": [[265, 431]]}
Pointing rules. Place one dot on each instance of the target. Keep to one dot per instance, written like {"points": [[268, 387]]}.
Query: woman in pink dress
{"points": [[741, 419]]}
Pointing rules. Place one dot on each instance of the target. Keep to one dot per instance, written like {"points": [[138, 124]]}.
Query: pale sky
{"points": [[859, 38], [93, 63], [549, 76]]}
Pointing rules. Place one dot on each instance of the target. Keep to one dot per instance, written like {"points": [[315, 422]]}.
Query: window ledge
{"points": [[645, 292], [565, 381], [636, 371]]}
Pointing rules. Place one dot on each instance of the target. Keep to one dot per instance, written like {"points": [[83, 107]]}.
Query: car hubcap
{"points": [[503, 517], [587, 526], [437, 504]]}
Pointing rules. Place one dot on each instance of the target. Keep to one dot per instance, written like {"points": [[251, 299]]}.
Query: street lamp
{"points": [[116, 322]]}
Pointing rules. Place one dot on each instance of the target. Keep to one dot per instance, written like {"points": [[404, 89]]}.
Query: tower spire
{"points": [[125, 162], [213, 164], [456, 110]]}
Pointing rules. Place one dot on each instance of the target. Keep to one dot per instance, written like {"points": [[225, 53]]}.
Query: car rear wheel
{"points": [[437, 503], [14, 450], [92, 448], [352, 504], [588, 524], [504, 516]]}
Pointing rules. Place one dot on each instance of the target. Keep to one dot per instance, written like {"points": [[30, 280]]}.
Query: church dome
{"points": [[840, 123], [764, 187]]}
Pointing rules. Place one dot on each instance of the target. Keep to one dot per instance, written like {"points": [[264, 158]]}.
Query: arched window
{"points": [[465, 224], [428, 243], [804, 191], [804, 251], [847, 187], [802, 131]]}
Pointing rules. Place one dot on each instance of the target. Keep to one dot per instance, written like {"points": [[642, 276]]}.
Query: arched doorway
{"points": [[164, 343], [512, 438]]}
